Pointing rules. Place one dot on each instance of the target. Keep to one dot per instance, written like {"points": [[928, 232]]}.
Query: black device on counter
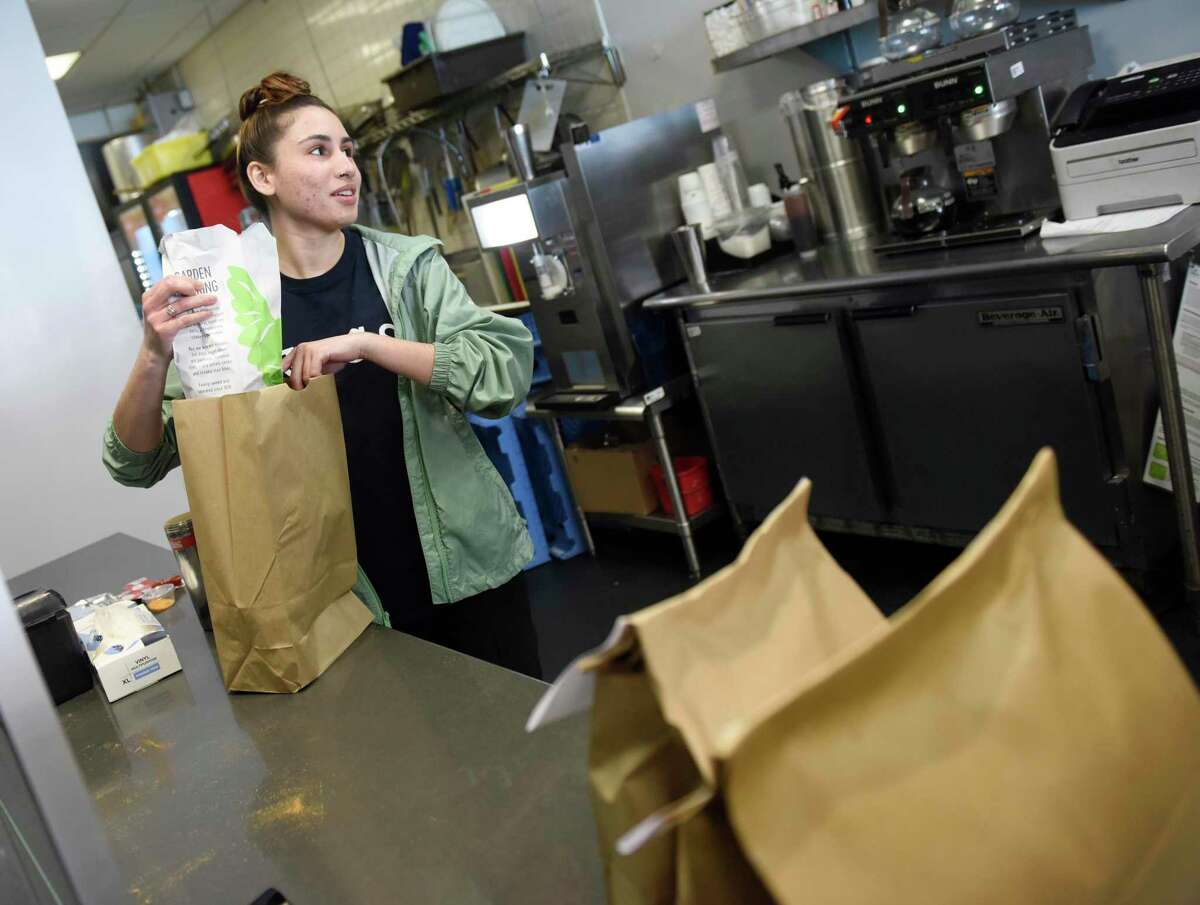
{"points": [[1129, 142], [971, 120], [1111, 108], [57, 647]]}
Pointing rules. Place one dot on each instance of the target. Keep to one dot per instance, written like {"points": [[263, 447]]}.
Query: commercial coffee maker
{"points": [[592, 241], [958, 137]]}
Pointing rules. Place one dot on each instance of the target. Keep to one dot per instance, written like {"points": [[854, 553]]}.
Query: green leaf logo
{"points": [[261, 333]]}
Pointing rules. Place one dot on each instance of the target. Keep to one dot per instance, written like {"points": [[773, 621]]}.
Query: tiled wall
{"points": [[344, 47]]}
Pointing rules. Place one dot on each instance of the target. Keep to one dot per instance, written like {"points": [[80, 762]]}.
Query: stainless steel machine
{"points": [[833, 175], [592, 241], [959, 137]]}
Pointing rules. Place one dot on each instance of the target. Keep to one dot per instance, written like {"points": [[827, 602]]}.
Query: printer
{"points": [[1130, 142]]}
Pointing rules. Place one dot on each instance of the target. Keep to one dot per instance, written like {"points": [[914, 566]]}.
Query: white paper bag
{"points": [[240, 348]]}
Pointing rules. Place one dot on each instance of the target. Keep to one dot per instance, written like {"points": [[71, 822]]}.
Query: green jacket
{"points": [[471, 533]]}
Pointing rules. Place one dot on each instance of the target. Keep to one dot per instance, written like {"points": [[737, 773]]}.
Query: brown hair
{"points": [[262, 110]]}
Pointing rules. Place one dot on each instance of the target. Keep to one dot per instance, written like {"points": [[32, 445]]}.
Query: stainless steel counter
{"points": [[402, 775], [878, 351], [854, 268]]}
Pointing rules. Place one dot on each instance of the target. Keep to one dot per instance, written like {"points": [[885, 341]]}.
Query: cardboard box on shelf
{"points": [[613, 479]]}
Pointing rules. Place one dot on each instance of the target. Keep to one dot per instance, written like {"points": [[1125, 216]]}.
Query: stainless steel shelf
{"points": [[796, 37], [456, 103], [663, 523]]}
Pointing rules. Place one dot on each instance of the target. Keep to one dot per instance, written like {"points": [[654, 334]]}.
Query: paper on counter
{"points": [[1187, 360], [1112, 223]]}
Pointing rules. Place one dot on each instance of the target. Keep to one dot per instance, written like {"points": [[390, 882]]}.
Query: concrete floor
{"points": [[574, 602]]}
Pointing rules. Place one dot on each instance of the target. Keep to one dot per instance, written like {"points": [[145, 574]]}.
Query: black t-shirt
{"points": [[339, 301]]}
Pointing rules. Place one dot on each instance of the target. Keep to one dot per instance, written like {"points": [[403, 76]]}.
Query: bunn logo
{"points": [[872, 102], [946, 83], [1123, 161]]}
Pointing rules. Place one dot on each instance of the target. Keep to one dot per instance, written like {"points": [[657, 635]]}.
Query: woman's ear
{"points": [[261, 178]]}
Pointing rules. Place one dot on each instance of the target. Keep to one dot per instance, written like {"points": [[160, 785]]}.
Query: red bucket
{"points": [[692, 474]]}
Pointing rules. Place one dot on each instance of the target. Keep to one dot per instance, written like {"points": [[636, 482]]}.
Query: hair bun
{"points": [[277, 88]]}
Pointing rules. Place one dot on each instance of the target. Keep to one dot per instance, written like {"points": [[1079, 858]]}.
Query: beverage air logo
{"points": [[1021, 317]]}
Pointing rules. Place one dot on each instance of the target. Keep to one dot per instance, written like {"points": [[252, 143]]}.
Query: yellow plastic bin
{"points": [[163, 158]]}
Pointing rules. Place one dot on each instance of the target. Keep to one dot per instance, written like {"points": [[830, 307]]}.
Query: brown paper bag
{"points": [[680, 680], [270, 497], [1020, 732]]}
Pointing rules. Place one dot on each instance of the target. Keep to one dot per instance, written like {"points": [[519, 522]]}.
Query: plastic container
{"points": [[747, 242], [970, 18], [174, 155], [692, 474], [799, 210]]}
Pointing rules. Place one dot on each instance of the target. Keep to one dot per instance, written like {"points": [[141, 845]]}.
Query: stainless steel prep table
{"points": [[1129, 267], [646, 408], [403, 774]]}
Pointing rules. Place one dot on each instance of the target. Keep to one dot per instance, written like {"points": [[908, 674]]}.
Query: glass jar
{"points": [[182, 538], [910, 32], [976, 17], [922, 206]]}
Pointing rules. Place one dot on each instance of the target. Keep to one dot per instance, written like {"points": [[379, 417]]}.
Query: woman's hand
{"points": [[324, 356], [168, 306]]}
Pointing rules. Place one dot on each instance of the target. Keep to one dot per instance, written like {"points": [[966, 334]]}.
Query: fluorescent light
{"points": [[60, 64], [506, 221]]}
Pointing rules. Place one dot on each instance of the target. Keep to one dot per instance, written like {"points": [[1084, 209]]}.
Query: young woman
{"points": [[438, 533]]}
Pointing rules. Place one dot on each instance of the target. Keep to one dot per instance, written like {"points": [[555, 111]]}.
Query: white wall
{"points": [[69, 332], [666, 57], [344, 48]]}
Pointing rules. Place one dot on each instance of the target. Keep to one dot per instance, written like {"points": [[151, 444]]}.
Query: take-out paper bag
{"points": [[677, 681], [270, 499], [1020, 732], [239, 348]]}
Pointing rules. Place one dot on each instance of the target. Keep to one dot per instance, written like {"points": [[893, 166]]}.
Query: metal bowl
{"points": [[988, 120], [913, 138]]}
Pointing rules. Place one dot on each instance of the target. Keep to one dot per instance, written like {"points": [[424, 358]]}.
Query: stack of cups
{"points": [[718, 200], [760, 195], [695, 202]]}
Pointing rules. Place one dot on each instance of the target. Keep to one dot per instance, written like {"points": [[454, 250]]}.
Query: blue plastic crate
{"points": [[528, 320], [560, 520], [541, 368], [503, 446]]}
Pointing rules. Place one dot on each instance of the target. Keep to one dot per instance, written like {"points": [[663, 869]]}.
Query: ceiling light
{"points": [[60, 64]]}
